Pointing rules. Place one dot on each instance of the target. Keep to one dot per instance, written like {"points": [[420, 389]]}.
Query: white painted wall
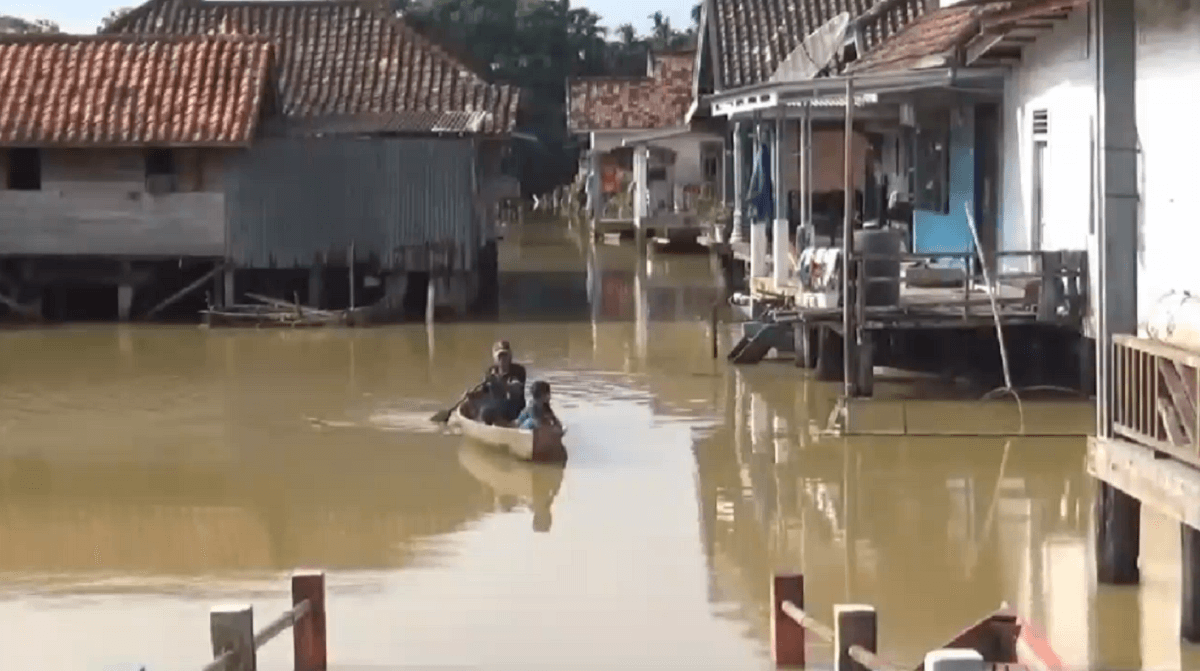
{"points": [[688, 168], [1058, 74], [1168, 95]]}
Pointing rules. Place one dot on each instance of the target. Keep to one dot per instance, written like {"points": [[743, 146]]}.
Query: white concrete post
{"points": [[781, 246], [595, 195], [641, 166], [954, 659], [739, 185]]}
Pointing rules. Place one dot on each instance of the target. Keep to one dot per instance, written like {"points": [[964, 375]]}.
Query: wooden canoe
{"points": [[542, 445], [1006, 639]]}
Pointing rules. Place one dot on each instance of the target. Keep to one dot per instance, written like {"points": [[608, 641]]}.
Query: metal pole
{"points": [[848, 338], [351, 264], [781, 245]]}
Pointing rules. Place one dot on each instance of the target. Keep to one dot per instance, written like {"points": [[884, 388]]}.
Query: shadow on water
{"points": [[145, 472]]}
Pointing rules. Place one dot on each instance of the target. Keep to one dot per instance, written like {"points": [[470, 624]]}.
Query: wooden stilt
{"points": [[1189, 588], [1118, 531]]}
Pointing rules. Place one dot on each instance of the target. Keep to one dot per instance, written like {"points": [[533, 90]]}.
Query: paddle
{"points": [[444, 416]]}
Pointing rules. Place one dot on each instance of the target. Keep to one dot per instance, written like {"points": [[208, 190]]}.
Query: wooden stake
{"points": [[308, 635], [854, 625], [232, 629], [787, 635]]}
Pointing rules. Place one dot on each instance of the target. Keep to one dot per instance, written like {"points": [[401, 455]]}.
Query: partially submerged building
{"points": [[370, 165], [684, 162], [115, 155]]}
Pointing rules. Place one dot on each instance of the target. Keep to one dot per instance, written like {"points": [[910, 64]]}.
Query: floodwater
{"points": [[149, 474]]}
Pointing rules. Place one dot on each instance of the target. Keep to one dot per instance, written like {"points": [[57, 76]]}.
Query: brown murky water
{"points": [[148, 474]]}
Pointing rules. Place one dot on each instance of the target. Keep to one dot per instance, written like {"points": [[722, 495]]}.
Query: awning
{"points": [[772, 95], [664, 134]]}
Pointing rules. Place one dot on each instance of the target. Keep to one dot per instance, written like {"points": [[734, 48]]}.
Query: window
{"points": [[160, 170], [932, 158], [1041, 137], [25, 169]]}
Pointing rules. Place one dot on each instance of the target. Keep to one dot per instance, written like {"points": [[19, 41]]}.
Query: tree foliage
{"points": [[13, 25], [112, 18], [538, 45]]}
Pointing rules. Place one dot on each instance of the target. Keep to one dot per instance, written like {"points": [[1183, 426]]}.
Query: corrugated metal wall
{"points": [[295, 201]]}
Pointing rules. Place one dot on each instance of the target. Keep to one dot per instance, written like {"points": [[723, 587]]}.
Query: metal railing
{"points": [[1154, 396], [235, 643]]}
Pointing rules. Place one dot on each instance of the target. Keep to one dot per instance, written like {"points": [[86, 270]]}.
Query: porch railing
{"points": [[1153, 398]]}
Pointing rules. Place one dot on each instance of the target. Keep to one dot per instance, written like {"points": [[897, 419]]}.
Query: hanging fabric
{"points": [[761, 193]]}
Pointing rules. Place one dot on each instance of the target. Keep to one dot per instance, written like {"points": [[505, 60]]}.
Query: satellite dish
{"points": [[814, 52]]}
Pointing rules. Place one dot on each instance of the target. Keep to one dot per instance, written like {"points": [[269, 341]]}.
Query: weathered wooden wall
{"points": [[95, 202]]}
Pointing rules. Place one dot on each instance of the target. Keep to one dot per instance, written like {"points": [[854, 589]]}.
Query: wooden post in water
{"points": [[954, 659], [1118, 530], [787, 635], [308, 634], [853, 625], [232, 629], [1189, 588], [351, 264]]}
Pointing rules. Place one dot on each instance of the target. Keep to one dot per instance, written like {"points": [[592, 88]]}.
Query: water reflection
{"points": [[967, 524], [534, 485]]}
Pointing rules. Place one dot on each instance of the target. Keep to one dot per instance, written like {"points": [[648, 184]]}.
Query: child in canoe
{"points": [[538, 413]]}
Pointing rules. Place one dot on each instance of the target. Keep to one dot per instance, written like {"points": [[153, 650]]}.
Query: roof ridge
{"points": [[132, 37]]}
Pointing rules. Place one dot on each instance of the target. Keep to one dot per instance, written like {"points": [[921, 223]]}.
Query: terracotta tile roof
{"points": [[755, 36], [71, 90], [941, 33], [611, 103], [341, 57]]}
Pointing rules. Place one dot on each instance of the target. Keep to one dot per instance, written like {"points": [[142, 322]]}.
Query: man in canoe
{"points": [[503, 387]]}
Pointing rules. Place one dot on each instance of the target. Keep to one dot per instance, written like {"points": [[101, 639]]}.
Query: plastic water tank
{"points": [[881, 241]]}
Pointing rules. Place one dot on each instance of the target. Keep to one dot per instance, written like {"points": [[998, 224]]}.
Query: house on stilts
{"points": [[363, 165], [918, 98]]}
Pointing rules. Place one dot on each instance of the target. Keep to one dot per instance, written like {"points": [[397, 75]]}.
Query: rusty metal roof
{"points": [[755, 36], [341, 57], [72, 90], [970, 32], [633, 103]]}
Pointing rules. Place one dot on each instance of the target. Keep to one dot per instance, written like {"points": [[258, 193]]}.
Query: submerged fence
{"points": [[235, 643], [855, 633]]}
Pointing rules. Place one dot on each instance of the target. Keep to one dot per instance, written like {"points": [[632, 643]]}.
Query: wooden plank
{"points": [[1176, 354], [1184, 404], [1167, 485]]}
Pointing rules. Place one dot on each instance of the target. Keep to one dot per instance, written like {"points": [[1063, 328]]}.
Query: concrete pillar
{"points": [[124, 301], [739, 183], [804, 234], [1116, 230], [595, 189], [781, 259], [954, 659], [641, 165], [230, 296]]}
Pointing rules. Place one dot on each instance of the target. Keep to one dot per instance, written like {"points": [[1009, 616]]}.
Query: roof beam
{"points": [[979, 46]]}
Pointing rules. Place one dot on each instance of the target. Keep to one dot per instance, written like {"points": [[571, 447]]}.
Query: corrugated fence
{"points": [[403, 203]]}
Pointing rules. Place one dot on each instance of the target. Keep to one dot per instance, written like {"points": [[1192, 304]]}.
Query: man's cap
{"points": [[501, 346]]}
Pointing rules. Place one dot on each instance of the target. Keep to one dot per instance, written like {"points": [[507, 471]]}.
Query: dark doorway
{"points": [[78, 302], [24, 169], [987, 178], [416, 295]]}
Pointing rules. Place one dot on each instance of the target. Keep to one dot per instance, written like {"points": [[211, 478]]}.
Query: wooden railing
{"points": [[1154, 396], [1049, 268], [235, 643], [853, 634]]}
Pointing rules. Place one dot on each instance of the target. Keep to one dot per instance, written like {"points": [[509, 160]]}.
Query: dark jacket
{"points": [[508, 390]]}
